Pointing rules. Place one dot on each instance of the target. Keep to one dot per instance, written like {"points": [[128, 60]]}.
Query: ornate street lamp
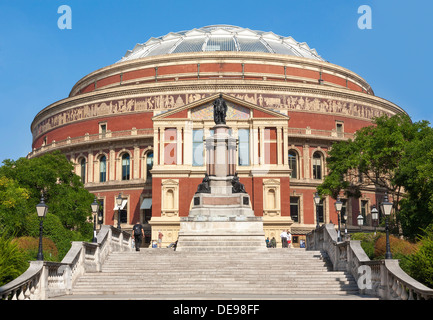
{"points": [[374, 217], [338, 205], [41, 209], [94, 207], [386, 207], [317, 202], [119, 203], [360, 220]]}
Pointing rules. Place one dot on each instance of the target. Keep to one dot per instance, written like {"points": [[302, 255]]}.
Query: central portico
{"points": [[221, 217]]}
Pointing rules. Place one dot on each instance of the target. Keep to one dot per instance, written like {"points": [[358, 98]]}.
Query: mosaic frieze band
{"points": [[167, 102]]}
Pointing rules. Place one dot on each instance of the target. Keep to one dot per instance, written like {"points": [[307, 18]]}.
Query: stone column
{"points": [[136, 162], [231, 156], [279, 146], [155, 146], [221, 163], [179, 143]]}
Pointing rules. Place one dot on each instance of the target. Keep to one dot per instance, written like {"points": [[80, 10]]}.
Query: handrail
{"points": [[45, 279], [381, 278]]}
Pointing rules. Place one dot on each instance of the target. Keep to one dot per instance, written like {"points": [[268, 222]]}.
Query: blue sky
{"points": [[39, 63]]}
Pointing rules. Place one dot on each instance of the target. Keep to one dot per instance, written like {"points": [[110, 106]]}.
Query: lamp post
{"points": [[345, 225], [338, 205], [119, 203], [374, 217], [94, 207], [41, 209], [317, 202], [360, 220], [386, 207]]}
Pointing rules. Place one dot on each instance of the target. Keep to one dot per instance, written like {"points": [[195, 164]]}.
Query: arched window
{"points": [[317, 166], [102, 169], [125, 167], [293, 163], [83, 170], [149, 165]]}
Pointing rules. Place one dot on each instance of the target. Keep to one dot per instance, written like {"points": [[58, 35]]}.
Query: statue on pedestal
{"points": [[204, 187], [237, 186], [219, 110]]}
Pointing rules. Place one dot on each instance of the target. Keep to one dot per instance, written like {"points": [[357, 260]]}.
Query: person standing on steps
{"points": [[289, 240], [283, 237], [160, 235], [137, 235]]}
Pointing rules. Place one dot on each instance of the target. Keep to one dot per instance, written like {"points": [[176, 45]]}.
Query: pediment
{"points": [[237, 109]]}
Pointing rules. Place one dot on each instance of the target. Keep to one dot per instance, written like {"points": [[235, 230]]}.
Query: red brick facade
{"points": [[119, 118]]}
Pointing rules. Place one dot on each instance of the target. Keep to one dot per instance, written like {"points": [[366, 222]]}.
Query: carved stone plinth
{"points": [[221, 219]]}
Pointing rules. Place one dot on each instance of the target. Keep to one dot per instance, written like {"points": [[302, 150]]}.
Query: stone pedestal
{"points": [[220, 219]]}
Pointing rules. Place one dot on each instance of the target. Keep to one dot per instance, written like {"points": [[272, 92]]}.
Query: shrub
{"points": [[399, 247], [54, 230], [420, 264], [30, 245], [368, 241], [13, 261]]}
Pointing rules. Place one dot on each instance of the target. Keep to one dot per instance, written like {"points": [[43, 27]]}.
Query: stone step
{"points": [[164, 272], [205, 290], [219, 277]]}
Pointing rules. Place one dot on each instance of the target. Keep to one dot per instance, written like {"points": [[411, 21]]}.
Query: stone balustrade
{"points": [[380, 278], [134, 133], [44, 279]]}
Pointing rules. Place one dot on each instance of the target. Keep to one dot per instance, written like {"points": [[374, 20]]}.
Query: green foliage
{"points": [[394, 154], [21, 184], [399, 247], [368, 241], [53, 229], [63, 190], [12, 260], [13, 206], [30, 246], [420, 264]]}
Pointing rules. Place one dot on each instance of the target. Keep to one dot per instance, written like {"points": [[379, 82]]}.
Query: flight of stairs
{"points": [[166, 274]]}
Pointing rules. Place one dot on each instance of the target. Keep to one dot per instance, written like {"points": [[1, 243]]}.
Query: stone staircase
{"points": [[167, 274]]}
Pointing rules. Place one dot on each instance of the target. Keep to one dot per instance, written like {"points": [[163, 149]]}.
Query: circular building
{"points": [[136, 128]]}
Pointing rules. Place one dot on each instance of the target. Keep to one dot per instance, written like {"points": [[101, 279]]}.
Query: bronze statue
{"points": [[237, 186], [219, 110], [204, 187]]}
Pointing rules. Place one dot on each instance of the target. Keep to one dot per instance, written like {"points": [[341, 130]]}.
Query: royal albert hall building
{"points": [[136, 128]]}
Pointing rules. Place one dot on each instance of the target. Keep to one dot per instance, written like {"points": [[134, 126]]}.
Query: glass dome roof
{"points": [[221, 38]]}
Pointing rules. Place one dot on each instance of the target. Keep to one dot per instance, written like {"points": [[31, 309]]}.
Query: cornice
{"points": [[217, 57]]}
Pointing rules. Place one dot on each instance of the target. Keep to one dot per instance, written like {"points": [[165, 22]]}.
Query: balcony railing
{"points": [[148, 132], [89, 138]]}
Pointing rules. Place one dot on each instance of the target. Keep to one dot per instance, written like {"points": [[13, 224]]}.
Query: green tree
{"points": [[416, 175], [13, 206], [63, 190], [389, 155]]}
